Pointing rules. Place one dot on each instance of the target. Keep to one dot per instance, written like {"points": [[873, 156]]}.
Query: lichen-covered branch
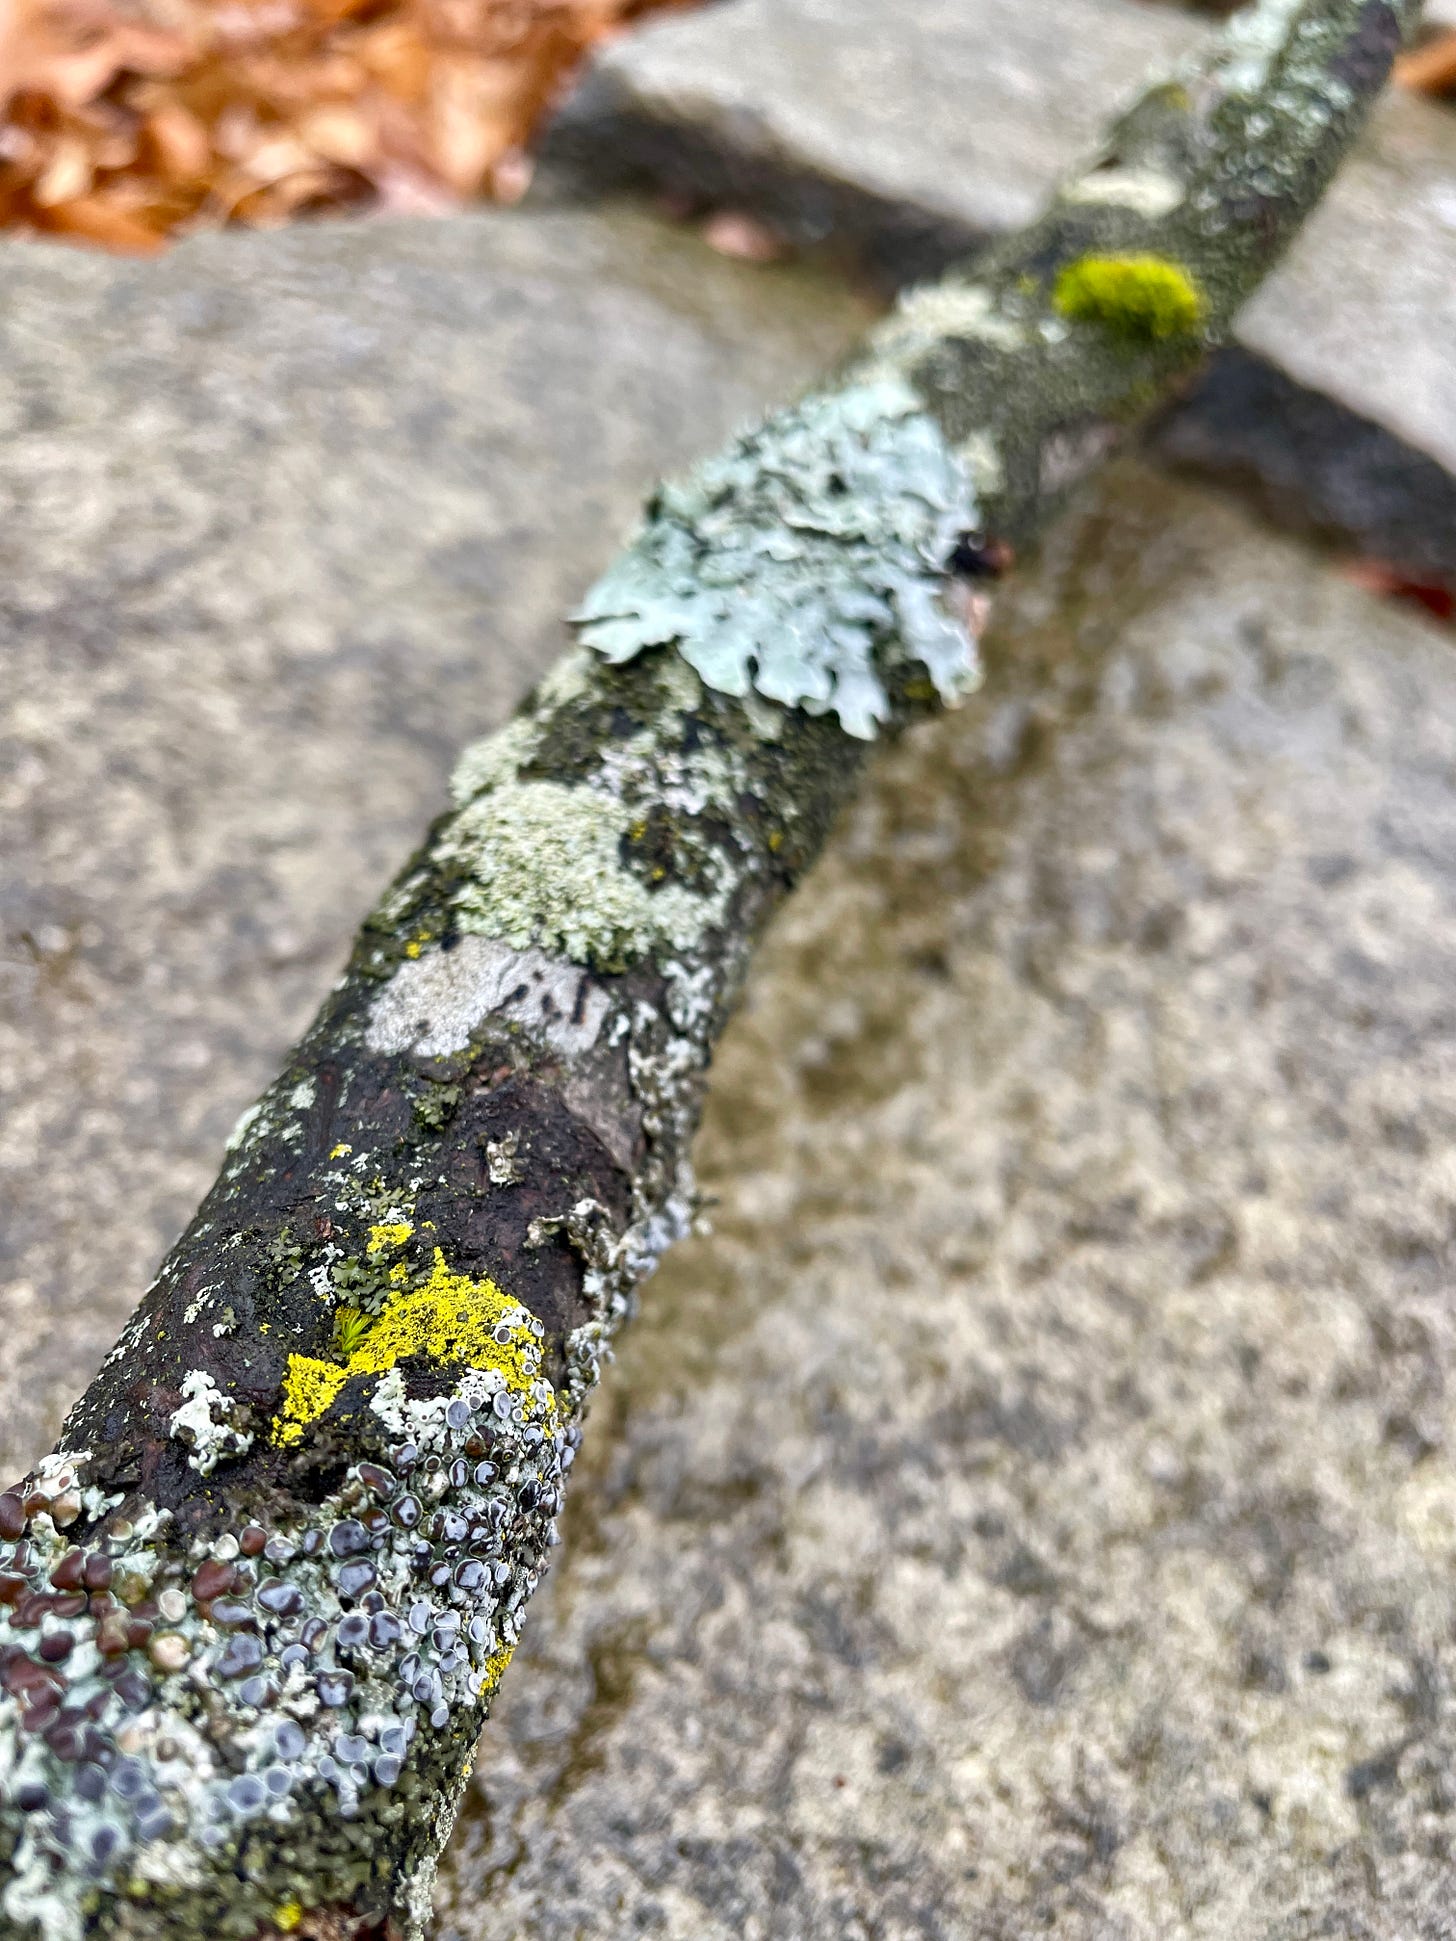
{"points": [[254, 1607]]}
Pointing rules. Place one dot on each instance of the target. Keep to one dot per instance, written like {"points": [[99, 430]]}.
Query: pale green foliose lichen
{"points": [[545, 868], [804, 559], [497, 758]]}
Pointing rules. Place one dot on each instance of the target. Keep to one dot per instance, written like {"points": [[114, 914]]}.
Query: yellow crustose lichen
{"points": [[390, 1233], [494, 1670], [1137, 296], [452, 1318]]}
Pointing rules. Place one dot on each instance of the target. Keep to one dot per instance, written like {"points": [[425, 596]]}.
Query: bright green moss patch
{"points": [[1137, 296]]}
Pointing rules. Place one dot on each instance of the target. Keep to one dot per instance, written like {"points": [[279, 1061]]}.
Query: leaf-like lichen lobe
{"points": [[804, 560]]}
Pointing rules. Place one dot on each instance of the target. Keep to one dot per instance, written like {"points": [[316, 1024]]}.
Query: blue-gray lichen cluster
{"points": [[174, 1717], [805, 560]]}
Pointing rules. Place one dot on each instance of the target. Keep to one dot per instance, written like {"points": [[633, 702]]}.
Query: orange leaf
{"points": [[1430, 69], [71, 50], [340, 135], [66, 175], [178, 141], [124, 119], [94, 219]]}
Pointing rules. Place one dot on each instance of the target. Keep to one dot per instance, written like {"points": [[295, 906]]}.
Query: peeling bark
{"points": [[254, 1607]]}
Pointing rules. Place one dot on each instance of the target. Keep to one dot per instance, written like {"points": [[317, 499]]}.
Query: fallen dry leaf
{"points": [[1378, 576], [71, 50], [124, 122], [1431, 68]]}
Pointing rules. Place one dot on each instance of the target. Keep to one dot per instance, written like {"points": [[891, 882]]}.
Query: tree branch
{"points": [[256, 1604]]}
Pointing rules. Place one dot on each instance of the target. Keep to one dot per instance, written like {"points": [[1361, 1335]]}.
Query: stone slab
{"points": [[903, 134], [1033, 1510], [284, 520]]}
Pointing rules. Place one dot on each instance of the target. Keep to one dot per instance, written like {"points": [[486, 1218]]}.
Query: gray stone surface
{"points": [[1032, 1511], [969, 109], [284, 519], [908, 130]]}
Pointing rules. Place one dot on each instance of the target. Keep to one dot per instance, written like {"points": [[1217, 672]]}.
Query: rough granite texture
{"points": [[901, 132], [284, 521], [1033, 1509]]}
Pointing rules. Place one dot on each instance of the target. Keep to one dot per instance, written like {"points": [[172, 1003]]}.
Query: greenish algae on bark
{"points": [[256, 1603]]}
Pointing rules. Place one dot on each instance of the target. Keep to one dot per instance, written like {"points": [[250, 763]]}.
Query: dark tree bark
{"points": [[254, 1607]]}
